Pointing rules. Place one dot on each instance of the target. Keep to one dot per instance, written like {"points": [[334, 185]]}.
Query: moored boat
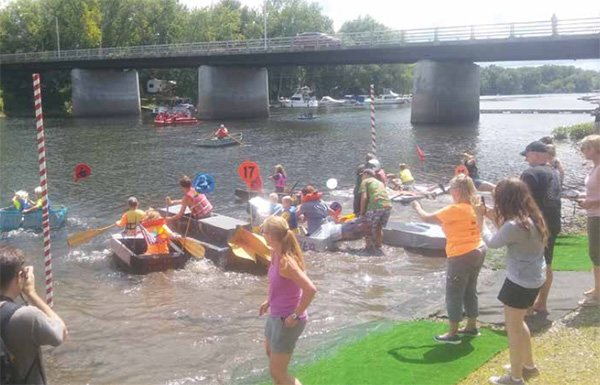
{"points": [[130, 254], [233, 140], [414, 235], [11, 219]]}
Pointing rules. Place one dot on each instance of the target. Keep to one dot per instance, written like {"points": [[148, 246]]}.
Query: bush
{"points": [[574, 132]]}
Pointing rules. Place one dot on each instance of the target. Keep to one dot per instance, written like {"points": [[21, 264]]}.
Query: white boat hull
{"points": [[414, 235]]}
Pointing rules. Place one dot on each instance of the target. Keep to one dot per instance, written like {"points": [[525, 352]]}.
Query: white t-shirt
{"points": [[592, 190]]}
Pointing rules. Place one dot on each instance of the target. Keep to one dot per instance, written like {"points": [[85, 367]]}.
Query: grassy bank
{"points": [[404, 354], [571, 254], [574, 132], [567, 353]]}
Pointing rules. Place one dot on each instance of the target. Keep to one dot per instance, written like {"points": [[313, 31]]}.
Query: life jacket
{"points": [[200, 206], [156, 236], [280, 182], [222, 133], [40, 203], [292, 220], [20, 204], [256, 184], [275, 209], [133, 218], [406, 176], [312, 197]]}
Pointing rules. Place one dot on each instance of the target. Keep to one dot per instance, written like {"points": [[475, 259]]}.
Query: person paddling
{"points": [[39, 201], [198, 203], [222, 132], [131, 218]]}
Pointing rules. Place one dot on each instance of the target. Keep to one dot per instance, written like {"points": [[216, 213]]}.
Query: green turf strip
{"points": [[404, 354], [571, 254]]}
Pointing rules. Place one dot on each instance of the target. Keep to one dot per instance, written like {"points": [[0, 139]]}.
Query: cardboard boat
{"points": [[130, 254], [414, 235]]}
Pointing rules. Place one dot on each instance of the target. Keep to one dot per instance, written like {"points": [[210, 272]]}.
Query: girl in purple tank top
{"points": [[290, 294], [280, 178]]}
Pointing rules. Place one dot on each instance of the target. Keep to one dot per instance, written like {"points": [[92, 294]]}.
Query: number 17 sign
{"points": [[248, 171]]}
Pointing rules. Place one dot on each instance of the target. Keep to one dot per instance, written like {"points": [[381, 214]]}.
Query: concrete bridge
{"points": [[233, 81]]}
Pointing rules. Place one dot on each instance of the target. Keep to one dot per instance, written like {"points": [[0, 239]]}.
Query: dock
{"points": [[536, 111]]}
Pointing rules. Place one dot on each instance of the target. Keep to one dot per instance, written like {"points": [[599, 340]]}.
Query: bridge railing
{"points": [[359, 40]]}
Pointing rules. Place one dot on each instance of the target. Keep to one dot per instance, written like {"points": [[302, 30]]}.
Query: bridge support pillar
{"points": [[105, 92], [232, 92], [445, 92]]}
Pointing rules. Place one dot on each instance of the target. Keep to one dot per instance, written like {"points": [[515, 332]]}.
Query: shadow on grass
{"points": [[585, 317], [438, 353]]}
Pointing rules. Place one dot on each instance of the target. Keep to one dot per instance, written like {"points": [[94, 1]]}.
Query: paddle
{"points": [[207, 137], [193, 246], [86, 236], [240, 142]]}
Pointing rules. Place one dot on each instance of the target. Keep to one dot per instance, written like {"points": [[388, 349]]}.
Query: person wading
{"points": [[290, 294], [375, 207], [465, 251], [521, 229], [25, 329]]}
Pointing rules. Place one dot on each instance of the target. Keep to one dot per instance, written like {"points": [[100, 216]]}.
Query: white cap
{"points": [[38, 190], [373, 164]]}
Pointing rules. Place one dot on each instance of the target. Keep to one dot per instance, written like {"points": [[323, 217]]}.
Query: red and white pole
{"points": [[373, 136], [39, 122]]}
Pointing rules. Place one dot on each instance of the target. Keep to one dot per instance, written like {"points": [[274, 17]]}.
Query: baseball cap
{"points": [[373, 164], [536, 146]]}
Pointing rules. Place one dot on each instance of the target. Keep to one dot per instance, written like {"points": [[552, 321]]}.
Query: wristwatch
{"points": [[294, 316]]}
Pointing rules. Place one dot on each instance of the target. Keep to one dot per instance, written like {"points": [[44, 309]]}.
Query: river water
{"points": [[201, 324]]}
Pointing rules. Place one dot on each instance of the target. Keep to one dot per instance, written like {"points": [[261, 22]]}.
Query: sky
{"points": [[435, 13]]}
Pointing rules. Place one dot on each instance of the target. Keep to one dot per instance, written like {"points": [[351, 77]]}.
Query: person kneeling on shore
{"points": [[522, 230], [25, 329], [131, 218], [290, 294], [465, 251], [197, 202]]}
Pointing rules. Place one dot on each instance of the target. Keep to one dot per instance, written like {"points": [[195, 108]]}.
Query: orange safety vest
{"points": [[159, 242]]}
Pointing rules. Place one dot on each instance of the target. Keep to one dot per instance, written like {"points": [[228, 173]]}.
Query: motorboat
{"points": [[329, 101], [390, 97], [301, 99]]}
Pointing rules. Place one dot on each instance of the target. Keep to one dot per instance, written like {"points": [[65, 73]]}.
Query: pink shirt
{"points": [[284, 294], [592, 190]]}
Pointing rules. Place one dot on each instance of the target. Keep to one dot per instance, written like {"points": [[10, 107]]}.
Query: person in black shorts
{"points": [[544, 184]]}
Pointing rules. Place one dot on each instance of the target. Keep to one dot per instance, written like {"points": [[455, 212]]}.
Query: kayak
{"points": [[161, 121], [214, 142], [11, 219], [414, 235], [129, 254]]}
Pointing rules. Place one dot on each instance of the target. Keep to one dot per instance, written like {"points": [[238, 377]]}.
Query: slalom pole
{"points": [[39, 122], [373, 136]]}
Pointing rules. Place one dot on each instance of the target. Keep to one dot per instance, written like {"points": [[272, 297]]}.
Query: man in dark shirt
{"points": [[544, 183], [25, 328]]}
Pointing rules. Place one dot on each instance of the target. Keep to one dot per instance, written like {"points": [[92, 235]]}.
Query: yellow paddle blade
{"points": [[86, 236], [239, 252], [194, 247], [346, 218], [252, 243]]}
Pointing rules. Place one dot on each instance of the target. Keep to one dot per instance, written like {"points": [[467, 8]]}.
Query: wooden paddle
{"points": [[86, 236], [193, 246], [240, 142]]}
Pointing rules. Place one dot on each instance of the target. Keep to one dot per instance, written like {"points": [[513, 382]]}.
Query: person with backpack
{"points": [[24, 328]]}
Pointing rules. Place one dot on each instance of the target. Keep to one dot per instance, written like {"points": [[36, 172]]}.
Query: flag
{"points": [[421, 155]]}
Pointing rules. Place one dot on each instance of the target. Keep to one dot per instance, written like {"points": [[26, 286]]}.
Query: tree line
{"points": [[537, 80], [30, 25]]}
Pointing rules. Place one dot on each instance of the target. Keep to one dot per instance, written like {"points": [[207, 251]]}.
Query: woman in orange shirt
{"points": [[465, 251]]}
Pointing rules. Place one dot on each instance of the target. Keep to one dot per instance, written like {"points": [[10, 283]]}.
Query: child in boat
{"points": [[21, 200], [39, 201], [275, 208], [222, 132], [405, 175], [197, 202], [131, 218], [279, 177], [157, 233], [289, 214]]}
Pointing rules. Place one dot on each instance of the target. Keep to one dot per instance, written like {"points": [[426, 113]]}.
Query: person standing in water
{"points": [[279, 178], [470, 163], [290, 294]]}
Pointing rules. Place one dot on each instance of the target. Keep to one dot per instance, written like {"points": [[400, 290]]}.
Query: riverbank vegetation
{"points": [[574, 132], [537, 80], [30, 26]]}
